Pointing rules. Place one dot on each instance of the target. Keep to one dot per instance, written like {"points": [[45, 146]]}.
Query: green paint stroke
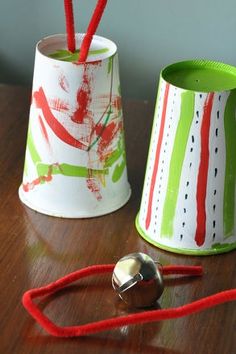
{"points": [[230, 168], [176, 162], [116, 154], [65, 55], [118, 171], [114, 157], [63, 168], [110, 64], [69, 170], [78, 171], [32, 149]]}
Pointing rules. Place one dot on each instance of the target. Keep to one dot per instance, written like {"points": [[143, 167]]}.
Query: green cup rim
{"points": [[214, 250], [198, 64]]}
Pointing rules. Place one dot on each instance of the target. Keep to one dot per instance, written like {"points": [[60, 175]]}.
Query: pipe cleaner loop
{"points": [[142, 317]]}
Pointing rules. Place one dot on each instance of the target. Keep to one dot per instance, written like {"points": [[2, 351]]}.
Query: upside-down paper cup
{"points": [[188, 202], [75, 163]]}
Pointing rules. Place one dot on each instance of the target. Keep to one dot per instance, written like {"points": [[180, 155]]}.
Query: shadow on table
{"points": [[104, 343]]}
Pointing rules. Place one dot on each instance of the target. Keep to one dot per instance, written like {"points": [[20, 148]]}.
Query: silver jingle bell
{"points": [[138, 280]]}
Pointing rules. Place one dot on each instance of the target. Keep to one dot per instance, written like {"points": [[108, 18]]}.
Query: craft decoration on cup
{"points": [[75, 162], [134, 272], [189, 200]]}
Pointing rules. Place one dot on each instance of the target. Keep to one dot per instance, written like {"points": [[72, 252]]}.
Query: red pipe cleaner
{"points": [[92, 27], [142, 317], [68, 5]]}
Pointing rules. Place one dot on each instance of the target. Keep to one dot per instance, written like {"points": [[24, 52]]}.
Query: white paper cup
{"points": [[75, 164], [188, 203]]}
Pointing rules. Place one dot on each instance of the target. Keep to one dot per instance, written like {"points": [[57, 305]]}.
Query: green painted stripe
{"points": [[68, 170], [230, 167], [32, 149], [64, 169], [118, 171], [116, 154], [176, 162], [110, 64]]}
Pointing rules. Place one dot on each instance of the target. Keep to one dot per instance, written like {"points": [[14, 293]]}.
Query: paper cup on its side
{"points": [[75, 164], [188, 203]]}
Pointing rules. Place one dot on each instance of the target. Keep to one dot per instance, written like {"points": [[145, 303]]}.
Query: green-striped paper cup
{"points": [[188, 201]]}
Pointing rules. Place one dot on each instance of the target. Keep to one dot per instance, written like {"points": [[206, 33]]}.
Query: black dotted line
{"points": [[197, 114], [164, 151], [215, 175], [190, 165]]}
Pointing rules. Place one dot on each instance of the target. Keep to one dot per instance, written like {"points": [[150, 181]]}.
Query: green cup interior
{"points": [[201, 75]]}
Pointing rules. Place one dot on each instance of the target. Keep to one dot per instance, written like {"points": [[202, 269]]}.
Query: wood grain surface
{"points": [[36, 249]]}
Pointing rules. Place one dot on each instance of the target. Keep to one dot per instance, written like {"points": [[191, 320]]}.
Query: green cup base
{"points": [[219, 248]]}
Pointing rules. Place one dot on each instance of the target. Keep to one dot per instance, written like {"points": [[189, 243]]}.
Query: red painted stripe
{"points": [[43, 130], [157, 157], [29, 186], [55, 125], [203, 171]]}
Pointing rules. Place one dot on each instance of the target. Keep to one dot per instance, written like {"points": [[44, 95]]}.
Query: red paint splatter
{"points": [[203, 171], [43, 130], [157, 156], [94, 187], [63, 83], [99, 120], [83, 99], [58, 105], [84, 116], [117, 103], [55, 125], [84, 94], [106, 134], [91, 63], [100, 135], [41, 179]]}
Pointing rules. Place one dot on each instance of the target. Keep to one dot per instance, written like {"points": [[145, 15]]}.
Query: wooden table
{"points": [[36, 249]]}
